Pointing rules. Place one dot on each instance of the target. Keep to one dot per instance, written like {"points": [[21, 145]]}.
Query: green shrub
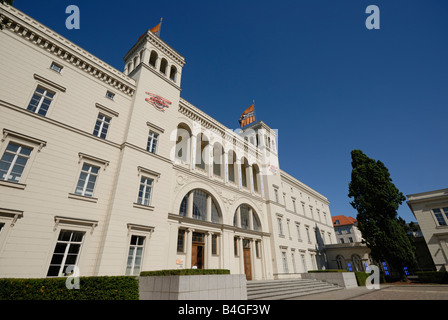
{"points": [[361, 278], [183, 272], [432, 276], [90, 288], [327, 270]]}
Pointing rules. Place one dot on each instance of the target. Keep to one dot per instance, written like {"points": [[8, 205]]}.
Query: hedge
{"points": [[90, 288], [433, 276], [327, 270], [183, 272], [361, 278]]}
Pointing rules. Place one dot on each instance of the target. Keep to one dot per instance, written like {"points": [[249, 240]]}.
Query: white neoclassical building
{"points": [[114, 173], [431, 211]]}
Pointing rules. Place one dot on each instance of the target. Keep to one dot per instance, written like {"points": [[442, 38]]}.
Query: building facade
{"points": [[431, 211], [349, 253], [105, 172]]}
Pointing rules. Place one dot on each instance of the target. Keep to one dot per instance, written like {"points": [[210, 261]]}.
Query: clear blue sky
{"points": [[317, 75]]}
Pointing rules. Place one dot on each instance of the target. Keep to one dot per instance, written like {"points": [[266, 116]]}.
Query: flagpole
{"points": [[255, 119]]}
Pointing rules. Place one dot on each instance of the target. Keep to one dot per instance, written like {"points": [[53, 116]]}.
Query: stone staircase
{"points": [[286, 288]]}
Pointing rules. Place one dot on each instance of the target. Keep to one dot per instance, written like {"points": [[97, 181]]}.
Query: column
{"points": [[208, 249], [209, 208], [188, 245], [238, 164], [251, 219], [238, 217], [241, 254], [251, 178], [190, 205], [193, 151], [226, 167]]}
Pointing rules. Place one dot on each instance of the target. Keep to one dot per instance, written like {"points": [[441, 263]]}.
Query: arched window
{"points": [[153, 58], [218, 159], [357, 262], [244, 165], [173, 73], [231, 158], [341, 263], [201, 151], [246, 218], [183, 143], [163, 65], [255, 175], [199, 208]]}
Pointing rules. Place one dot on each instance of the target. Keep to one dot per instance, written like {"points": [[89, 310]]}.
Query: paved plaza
{"points": [[386, 292]]}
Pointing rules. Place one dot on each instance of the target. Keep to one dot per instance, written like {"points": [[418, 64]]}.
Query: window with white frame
{"points": [[299, 236], [152, 142], [135, 255], [303, 259], [110, 95], [101, 126], [441, 215], [56, 67], [66, 253], [280, 226], [145, 191], [41, 100], [307, 228], [13, 161], [87, 180], [276, 195], [284, 262]]}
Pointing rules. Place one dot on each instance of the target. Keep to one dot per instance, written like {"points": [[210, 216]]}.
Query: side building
{"points": [[113, 172], [431, 211]]}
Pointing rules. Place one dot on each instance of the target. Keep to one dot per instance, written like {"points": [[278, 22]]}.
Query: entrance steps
{"points": [[286, 288]]}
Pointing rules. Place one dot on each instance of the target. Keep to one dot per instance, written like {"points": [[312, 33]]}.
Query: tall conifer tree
{"points": [[377, 200]]}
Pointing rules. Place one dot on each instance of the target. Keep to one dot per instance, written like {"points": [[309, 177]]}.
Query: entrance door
{"points": [[197, 256], [197, 250], [247, 262]]}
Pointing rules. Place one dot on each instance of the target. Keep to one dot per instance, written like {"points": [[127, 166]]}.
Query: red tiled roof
{"points": [[343, 220]]}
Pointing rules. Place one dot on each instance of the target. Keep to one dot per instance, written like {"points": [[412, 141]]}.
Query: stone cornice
{"points": [[50, 41], [297, 183]]}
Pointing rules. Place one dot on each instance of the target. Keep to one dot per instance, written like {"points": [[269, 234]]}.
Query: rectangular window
{"points": [[280, 227], [235, 246], [308, 234], [180, 240], [87, 180], [41, 100], [144, 192], [56, 67], [214, 244], [152, 142], [101, 126], [439, 216], [294, 206], [302, 257], [285, 262], [110, 95], [276, 195], [13, 162], [66, 253], [299, 236], [135, 255]]}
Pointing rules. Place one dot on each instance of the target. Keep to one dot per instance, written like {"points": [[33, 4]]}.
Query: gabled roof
{"points": [[343, 220]]}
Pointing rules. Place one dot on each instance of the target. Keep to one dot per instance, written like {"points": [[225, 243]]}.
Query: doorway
{"points": [[247, 260], [197, 250]]}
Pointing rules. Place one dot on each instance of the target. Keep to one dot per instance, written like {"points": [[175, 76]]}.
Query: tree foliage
{"points": [[377, 200]]}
